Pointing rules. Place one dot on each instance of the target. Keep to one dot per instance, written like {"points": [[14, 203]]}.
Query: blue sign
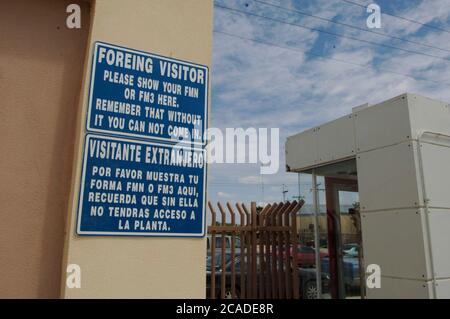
{"points": [[137, 94], [132, 185], [141, 188]]}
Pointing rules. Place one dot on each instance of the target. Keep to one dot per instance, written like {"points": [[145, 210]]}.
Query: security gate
{"points": [[250, 255]]}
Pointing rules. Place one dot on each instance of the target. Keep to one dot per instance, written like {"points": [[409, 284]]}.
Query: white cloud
{"points": [[250, 180], [256, 85], [225, 195]]}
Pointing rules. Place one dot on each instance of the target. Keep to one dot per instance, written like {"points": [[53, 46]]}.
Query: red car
{"points": [[306, 256]]}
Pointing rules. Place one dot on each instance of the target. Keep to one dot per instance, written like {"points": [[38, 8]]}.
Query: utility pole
{"points": [[299, 197], [284, 192], [316, 203]]}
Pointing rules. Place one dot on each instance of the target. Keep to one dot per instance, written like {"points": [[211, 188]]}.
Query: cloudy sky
{"points": [[291, 76]]}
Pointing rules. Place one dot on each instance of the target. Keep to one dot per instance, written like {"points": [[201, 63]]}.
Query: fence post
{"points": [[254, 251], [233, 255], [288, 260], [213, 252], [294, 240], [249, 253], [261, 239], [274, 251], [223, 282], [243, 235]]}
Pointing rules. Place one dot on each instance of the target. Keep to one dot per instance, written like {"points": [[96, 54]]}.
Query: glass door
{"points": [[344, 238]]}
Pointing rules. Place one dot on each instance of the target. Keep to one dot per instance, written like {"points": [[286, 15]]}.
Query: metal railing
{"points": [[262, 265]]}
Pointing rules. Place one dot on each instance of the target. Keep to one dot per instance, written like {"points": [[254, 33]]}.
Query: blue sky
{"points": [[256, 85]]}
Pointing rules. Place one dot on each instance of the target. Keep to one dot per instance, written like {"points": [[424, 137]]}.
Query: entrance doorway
{"points": [[344, 238]]}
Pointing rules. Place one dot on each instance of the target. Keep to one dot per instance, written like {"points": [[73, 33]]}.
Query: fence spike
{"points": [[267, 235]]}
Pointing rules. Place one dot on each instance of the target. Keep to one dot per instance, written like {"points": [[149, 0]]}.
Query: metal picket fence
{"points": [[251, 255]]}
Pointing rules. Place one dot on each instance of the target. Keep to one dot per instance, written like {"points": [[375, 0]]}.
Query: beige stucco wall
{"points": [[140, 267], [41, 63]]}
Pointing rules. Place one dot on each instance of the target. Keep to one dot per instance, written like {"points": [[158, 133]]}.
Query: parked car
{"points": [[308, 283], [306, 256], [218, 240], [218, 259], [218, 275], [307, 279], [308, 275], [351, 250], [351, 270]]}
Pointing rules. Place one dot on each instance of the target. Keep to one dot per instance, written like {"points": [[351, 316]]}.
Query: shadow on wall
{"points": [[41, 65]]}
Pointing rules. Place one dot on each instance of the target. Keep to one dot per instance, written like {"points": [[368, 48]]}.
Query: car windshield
{"points": [[306, 249], [237, 263], [350, 246], [351, 250], [217, 261], [218, 240]]}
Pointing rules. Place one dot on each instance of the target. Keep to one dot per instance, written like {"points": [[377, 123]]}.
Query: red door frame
{"points": [[331, 186]]}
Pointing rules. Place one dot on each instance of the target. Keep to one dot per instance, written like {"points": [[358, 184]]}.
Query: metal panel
{"points": [[394, 288], [327, 143], [443, 289], [387, 178], [439, 221], [383, 124], [428, 114], [301, 150], [336, 140], [394, 240], [436, 169]]}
